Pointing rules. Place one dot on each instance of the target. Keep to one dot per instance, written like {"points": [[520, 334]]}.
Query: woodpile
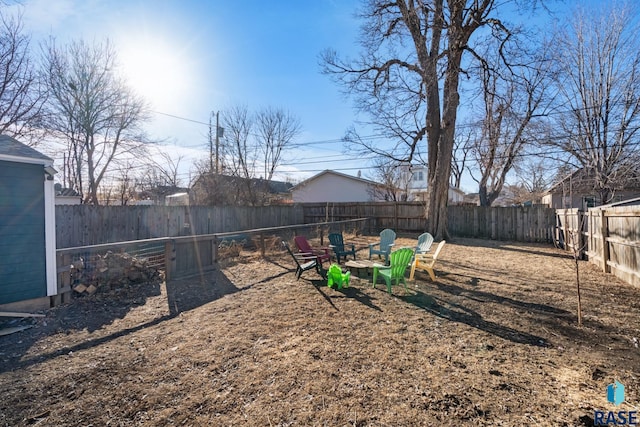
{"points": [[111, 271]]}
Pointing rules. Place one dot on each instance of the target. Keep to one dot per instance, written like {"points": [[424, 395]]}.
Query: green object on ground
{"points": [[395, 271], [335, 276]]}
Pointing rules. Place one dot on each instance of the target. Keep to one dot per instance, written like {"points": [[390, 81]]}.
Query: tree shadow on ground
{"points": [[547, 249], [515, 248], [90, 313], [458, 313], [482, 296], [16, 361], [354, 293], [187, 293]]}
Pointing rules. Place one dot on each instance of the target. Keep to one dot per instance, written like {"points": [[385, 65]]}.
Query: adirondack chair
{"points": [[395, 271], [304, 262], [304, 247], [387, 239], [335, 276], [426, 262], [338, 245], [425, 241]]}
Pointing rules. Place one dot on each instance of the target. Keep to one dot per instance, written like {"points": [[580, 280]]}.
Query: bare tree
{"points": [[276, 129], [513, 97], [599, 87], [21, 95], [252, 151], [461, 150], [534, 177], [393, 178], [92, 108], [163, 172], [125, 184], [242, 152], [410, 69]]}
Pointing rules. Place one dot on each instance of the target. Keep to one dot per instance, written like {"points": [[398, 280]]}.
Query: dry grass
{"points": [[493, 342]]}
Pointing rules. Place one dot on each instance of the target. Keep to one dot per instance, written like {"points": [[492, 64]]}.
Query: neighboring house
{"points": [[216, 190], [418, 187], [471, 199], [67, 196], [27, 228], [332, 186], [177, 199], [576, 191], [163, 195]]}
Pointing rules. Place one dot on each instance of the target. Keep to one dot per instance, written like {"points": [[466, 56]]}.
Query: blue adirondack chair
{"points": [[425, 241], [339, 247], [387, 240], [396, 269]]}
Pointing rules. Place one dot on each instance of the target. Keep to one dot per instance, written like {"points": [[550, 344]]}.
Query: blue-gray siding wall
{"points": [[22, 232]]}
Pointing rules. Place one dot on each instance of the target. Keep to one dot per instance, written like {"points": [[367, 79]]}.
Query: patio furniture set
{"points": [[392, 269]]}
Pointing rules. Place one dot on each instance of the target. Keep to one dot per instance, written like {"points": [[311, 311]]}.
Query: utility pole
{"points": [[217, 140], [219, 134], [211, 145]]}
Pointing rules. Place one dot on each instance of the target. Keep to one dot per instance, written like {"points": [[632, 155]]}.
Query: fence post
{"points": [[262, 248], [395, 215], [214, 248], [565, 230], [604, 230], [581, 237], [169, 259]]}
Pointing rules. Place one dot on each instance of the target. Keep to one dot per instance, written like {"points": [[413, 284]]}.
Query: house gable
{"points": [[331, 186]]}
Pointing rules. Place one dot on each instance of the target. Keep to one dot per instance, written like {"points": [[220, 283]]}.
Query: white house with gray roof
{"points": [[332, 186]]}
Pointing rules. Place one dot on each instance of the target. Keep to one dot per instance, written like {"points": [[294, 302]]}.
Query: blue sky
{"points": [[189, 58]]}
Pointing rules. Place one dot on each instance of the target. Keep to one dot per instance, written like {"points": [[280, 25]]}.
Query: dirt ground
{"points": [[494, 341]]}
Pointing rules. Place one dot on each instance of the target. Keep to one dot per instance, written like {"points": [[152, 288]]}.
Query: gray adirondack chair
{"points": [[387, 240]]}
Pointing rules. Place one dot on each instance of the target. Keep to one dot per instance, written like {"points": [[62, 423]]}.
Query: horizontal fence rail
{"points": [[183, 255], [90, 225], [82, 225], [517, 223]]}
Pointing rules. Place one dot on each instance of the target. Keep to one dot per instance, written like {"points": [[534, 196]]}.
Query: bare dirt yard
{"points": [[494, 341]]}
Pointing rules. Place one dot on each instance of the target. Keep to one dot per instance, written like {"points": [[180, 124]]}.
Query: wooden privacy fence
{"points": [[517, 223], [608, 236], [571, 231], [524, 224], [400, 216], [83, 225]]}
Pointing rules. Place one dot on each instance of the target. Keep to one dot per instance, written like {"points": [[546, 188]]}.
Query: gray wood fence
{"points": [[82, 225], [518, 223], [607, 236], [91, 225]]}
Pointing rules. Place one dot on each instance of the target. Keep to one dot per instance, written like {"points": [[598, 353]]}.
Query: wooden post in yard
{"points": [[395, 215], [604, 230], [214, 249], [262, 245], [169, 259]]}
